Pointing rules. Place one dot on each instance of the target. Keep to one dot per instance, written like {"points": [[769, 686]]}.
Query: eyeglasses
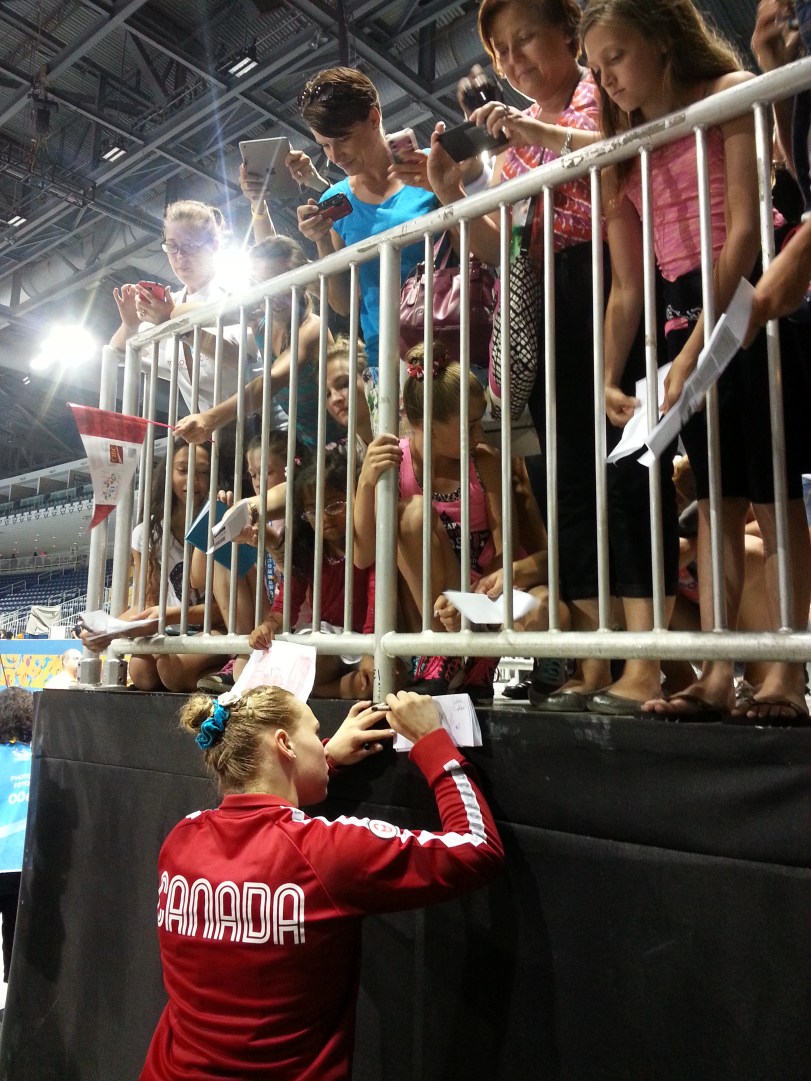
{"points": [[332, 509], [319, 92], [171, 248]]}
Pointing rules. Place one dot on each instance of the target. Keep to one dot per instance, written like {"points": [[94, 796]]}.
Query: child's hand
{"points": [[492, 585], [383, 453], [447, 615], [261, 637], [619, 407], [675, 379]]}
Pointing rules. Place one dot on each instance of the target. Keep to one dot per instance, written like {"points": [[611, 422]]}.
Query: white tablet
{"points": [[265, 158]]}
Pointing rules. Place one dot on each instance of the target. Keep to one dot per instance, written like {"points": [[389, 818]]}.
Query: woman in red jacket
{"points": [[260, 905]]}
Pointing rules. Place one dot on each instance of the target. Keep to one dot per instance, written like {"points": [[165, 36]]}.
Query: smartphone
{"points": [[402, 142], [173, 629], [265, 158], [469, 140], [336, 207], [157, 291]]}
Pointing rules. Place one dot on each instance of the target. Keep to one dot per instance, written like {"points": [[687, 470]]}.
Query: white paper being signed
{"points": [[458, 718], [285, 664]]}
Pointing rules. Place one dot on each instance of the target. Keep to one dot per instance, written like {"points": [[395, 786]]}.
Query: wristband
{"points": [[567, 142]]}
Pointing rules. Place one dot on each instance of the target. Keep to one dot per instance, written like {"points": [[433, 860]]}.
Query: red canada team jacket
{"points": [[259, 918]]}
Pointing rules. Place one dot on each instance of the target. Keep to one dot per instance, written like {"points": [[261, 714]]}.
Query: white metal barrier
{"points": [[139, 393]]}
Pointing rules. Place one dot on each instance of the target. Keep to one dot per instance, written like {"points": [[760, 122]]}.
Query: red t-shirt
{"points": [[332, 596], [259, 917]]}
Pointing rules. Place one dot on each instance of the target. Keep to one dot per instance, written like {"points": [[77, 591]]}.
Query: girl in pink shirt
{"points": [[649, 60]]}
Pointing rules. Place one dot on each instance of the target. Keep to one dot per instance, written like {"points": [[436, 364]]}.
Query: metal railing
{"points": [[387, 643]]}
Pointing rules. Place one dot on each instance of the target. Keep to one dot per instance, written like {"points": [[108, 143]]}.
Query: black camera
{"points": [[479, 90]]}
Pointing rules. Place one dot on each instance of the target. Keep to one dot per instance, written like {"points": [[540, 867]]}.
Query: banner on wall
{"points": [[15, 782], [112, 442]]}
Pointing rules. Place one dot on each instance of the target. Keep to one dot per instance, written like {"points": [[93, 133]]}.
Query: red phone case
{"points": [[158, 291]]}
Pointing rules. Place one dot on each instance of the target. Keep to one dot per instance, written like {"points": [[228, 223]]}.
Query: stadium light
{"points": [[65, 345]]}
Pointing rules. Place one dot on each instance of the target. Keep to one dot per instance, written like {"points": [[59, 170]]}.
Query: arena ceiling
{"points": [[79, 78]]}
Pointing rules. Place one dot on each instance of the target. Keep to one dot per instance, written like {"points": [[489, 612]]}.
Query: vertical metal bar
{"points": [[187, 548], [550, 434], [321, 439], [212, 488], [351, 459], [719, 593], [598, 319], [505, 236], [267, 361], [90, 671], [427, 451], [292, 415], [238, 457], [387, 486], [122, 546], [784, 572], [464, 408], [166, 535], [652, 380]]}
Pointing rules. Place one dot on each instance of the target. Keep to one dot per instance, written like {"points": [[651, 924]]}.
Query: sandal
{"points": [[697, 709], [760, 712]]}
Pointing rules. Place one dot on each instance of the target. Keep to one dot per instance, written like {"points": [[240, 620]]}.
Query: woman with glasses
{"points": [[342, 109], [336, 677], [191, 238]]}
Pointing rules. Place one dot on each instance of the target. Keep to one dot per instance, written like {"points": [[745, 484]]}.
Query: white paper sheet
{"points": [[101, 624], [481, 609], [725, 341], [458, 718], [230, 526], [285, 664], [635, 433]]}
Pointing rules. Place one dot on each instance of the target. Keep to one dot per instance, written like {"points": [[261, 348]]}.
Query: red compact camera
{"points": [[336, 207]]}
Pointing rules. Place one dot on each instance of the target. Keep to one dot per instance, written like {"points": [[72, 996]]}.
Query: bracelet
{"points": [[262, 216], [567, 142]]}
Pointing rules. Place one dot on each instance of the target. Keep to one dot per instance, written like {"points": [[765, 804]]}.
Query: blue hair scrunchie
{"points": [[212, 728]]}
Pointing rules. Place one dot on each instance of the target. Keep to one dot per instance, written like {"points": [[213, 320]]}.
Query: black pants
{"points": [[628, 502], [9, 896]]}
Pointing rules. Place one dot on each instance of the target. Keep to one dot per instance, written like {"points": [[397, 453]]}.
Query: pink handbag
{"points": [[446, 307]]}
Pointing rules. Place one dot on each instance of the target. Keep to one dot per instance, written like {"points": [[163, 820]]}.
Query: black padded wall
{"points": [[653, 923]]}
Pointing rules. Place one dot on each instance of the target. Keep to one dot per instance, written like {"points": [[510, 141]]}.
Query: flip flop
{"points": [[697, 711], [796, 717]]}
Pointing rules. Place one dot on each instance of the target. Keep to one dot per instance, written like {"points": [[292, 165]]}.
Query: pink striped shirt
{"points": [[674, 192], [572, 201]]}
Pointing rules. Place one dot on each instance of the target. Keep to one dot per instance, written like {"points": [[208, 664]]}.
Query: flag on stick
{"points": [[112, 442]]}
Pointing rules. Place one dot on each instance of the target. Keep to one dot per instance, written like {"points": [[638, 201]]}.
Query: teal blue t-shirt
{"points": [[366, 220]]}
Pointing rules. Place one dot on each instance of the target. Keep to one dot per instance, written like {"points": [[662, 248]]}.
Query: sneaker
{"points": [[549, 673], [478, 679], [218, 682], [433, 675]]}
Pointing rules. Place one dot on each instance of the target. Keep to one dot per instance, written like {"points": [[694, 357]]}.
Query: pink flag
{"points": [[112, 442]]}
